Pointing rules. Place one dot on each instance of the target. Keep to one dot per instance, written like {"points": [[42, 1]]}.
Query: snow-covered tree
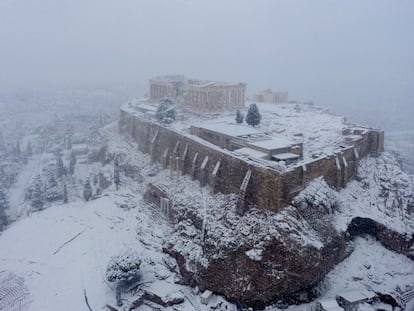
{"points": [[52, 192], [124, 271], [103, 181], [60, 168], [72, 163], [4, 204], [52, 183], [87, 190], [95, 179], [65, 194], [239, 116], [166, 111], [117, 179], [253, 116], [37, 194]]}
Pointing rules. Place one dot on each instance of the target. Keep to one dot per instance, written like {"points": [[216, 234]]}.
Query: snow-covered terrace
{"points": [[321, 132]]}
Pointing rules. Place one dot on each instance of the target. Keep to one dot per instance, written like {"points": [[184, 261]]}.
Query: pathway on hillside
{"points": [[17, 191]]}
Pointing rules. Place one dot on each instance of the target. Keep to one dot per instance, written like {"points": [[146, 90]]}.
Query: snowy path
{"points": [[17, 191]]}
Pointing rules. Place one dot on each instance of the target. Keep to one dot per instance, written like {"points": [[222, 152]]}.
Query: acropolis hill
{"points": [[262, 214], [266, 166]]}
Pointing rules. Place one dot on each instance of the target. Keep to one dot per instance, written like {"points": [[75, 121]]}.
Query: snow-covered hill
{"points": [[49, 259]]}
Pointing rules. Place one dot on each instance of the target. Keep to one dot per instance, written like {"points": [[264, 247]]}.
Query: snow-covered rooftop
{"points": [[330, 305], [249, 152], [146, 107], [230, 129], [273, 142], [285, 156], [357, 295]]}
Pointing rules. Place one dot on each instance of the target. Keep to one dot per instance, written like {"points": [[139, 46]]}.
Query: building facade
{"points": [[167, 86], [199, 95]]}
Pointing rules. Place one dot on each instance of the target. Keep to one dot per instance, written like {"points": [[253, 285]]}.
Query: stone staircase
{"points": [[189, 296], [408, 295]]}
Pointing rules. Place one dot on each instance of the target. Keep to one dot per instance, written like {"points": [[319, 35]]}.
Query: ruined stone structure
{"points": [[200, 95], [167, 86], [258, 186], [269, 96], [288, 269]]}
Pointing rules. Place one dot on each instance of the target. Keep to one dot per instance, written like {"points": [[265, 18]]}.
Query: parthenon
{"points": [[201, 95]]}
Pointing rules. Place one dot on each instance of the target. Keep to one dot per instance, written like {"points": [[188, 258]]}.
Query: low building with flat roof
{"points": [[327, 305], [351, 300], [248, 141]]}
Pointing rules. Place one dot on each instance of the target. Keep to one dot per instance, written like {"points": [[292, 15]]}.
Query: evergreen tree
{"points": [[4, 204], [103, 181], [166, 111], [36, 196], [52, 182], [87, 190], [117, 179], [253, 116], [60, 169], [239, 117], [124, 270], [95, 179], [72, 163], [52, 193], [65, 194]]}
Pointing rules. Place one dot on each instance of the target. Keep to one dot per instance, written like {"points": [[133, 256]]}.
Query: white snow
{"points": [[57, 280], [383, 193], [272, 143], [255, 254], [59, 252], [229, 129], [369, 267], [356, 295], [17, 191]]}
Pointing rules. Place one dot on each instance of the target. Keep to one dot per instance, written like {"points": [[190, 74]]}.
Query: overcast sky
{"points": [[350, 54]]}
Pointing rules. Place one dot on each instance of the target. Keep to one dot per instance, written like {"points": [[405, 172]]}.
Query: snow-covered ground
{"points": [[54, 256], [370, 266], [17, 191], [63, 250]]}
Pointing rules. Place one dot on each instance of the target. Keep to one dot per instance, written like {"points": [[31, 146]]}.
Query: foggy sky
{"points": [[348, 54]]}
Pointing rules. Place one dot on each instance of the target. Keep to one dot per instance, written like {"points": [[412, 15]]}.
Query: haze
{"points": [[355, 56]]}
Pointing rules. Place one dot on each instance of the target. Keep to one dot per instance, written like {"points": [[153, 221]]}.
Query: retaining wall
{"points": [[267, 188]]}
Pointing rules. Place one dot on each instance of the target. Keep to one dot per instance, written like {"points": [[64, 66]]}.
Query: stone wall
{"points": [[266, 187]]}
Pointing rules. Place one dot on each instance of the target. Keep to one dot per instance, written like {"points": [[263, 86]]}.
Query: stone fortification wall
{"points": [[263, 187]]}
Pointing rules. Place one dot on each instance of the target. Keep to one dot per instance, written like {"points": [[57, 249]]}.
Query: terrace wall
{"points": [[267, 188]]}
